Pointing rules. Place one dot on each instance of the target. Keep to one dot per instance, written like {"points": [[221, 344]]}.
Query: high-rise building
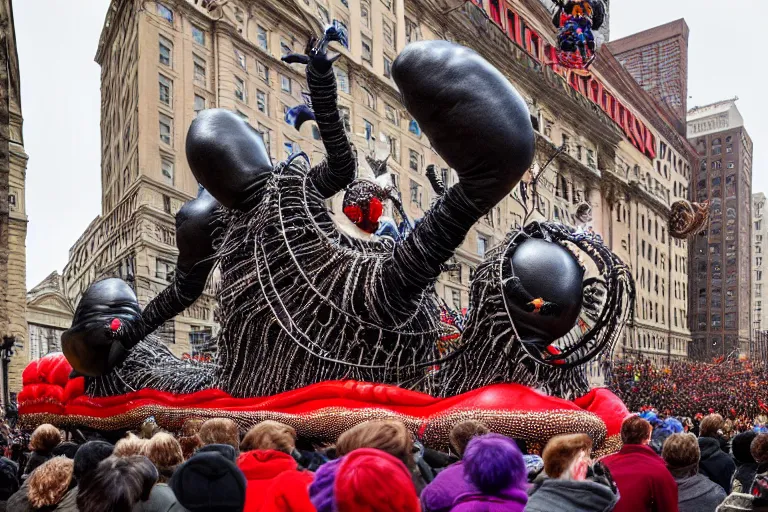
{"points": [[721, 273], [759, 250], [610, 151], [657, 59], [13, 216]]}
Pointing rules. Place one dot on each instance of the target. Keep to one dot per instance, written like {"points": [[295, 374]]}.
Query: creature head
{"points": [[106, 321], [233, 169], [364, 204], [554, 319]]}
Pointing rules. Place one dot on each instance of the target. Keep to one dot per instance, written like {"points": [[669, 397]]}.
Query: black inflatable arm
{"points": [[479, 124], [197, 224], [338, 169], [437, 183]]}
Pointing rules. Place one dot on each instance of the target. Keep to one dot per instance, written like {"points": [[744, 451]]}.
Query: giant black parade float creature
{"points": [[322, 330]]}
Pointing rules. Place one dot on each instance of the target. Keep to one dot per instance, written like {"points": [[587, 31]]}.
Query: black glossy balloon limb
{"points": [[471, 114], [91, 345], [228, 157]]}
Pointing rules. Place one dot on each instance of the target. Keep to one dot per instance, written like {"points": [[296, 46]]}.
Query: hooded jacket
{"points": [[508, 500], [569, 496], [448, 485], [274, 482], [714, 464], [644, 482], [698, 493]]}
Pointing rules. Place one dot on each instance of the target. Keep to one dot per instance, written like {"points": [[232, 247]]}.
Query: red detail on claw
{"points": [[115, 324], [554, 351]]}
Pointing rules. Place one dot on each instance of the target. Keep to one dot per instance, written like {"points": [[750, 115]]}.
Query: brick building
{"points": [[721, 272], [658, 60]]}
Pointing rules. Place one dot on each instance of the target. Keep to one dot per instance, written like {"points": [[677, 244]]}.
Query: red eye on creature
{"points": [[115, 324], [375, 209], [354, 213]]}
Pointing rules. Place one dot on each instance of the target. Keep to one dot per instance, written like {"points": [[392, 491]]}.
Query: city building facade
{"points": [[721, 271], [657, 59], [759, 250], [608, 147], [49, 314], [13, 216]]}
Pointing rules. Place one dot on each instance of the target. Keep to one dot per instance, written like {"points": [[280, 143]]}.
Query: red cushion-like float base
{"points": [[325, 409]]}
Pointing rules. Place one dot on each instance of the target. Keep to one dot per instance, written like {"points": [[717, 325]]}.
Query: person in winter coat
{"points": [[715, 464], [210, 482], [117, 484], [43, 441], [274, 479], [365, 480], [713, 426], [87, 458], [440, 494], [9, 483], [45, 488], [567, 488], [644, 482], [164, 451], [746, 467], [759, 451], [389, 436], [220, 431], [695, 492], [740, 502], [130, 446], [494, 466]]}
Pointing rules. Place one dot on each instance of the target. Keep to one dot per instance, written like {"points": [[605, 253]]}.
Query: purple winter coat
{"points": [[448, 485], [508, 500]]}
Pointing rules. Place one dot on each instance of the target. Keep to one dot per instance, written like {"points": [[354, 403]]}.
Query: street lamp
{"points": [[6, 352]]}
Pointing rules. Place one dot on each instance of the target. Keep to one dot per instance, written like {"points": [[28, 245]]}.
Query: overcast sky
{"points": [[60, 99]]}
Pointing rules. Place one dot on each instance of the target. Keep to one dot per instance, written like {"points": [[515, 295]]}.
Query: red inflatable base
{"points": [[322, 411]]}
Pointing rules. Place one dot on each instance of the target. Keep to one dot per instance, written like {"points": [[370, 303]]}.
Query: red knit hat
{"points": [[370, 480]]}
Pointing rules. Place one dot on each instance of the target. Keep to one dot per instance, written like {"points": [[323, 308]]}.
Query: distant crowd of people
{"points": [[378, 466], [730, 387]]}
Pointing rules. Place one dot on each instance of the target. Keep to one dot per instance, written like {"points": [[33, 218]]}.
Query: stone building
{"points": [[13, 217], [759, 250], [49, 314], [721, 272], [610, 148]]}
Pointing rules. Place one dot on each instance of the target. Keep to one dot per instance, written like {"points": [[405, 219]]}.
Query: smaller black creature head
{"points": [[107, 320]]}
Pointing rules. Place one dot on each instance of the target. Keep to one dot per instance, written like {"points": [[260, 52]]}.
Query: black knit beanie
{"points": [[89, 455], [208, 482], [740, 447]]}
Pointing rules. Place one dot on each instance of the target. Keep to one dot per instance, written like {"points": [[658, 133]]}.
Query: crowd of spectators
{"points": [[379, 466], [733, 388]]}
